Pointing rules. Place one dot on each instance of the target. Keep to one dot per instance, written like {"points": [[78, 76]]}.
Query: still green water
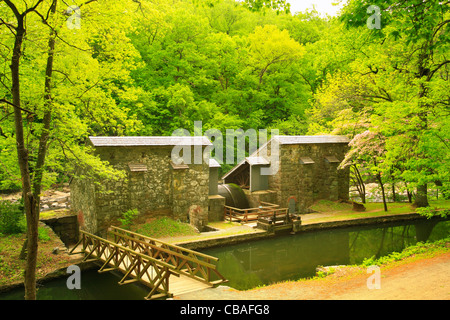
{"points": [[293, 257], [94, 286], [263, 262]]}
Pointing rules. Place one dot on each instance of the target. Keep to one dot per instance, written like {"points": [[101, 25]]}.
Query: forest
{"points": [[377, 73], [150, 67]]}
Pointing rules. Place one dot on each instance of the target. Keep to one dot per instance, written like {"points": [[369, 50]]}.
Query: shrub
{"points": [[43, 234], [127, 217], [430, 212], [12, 218]]}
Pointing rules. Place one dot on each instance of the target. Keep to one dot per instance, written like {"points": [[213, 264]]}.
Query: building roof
{"points": [[213, 163], [311, 139], [149, 141], [257, 161]]}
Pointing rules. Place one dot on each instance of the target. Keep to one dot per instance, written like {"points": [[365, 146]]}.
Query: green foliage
{"points": [[128, 217], [148, 68], [12, 218], [432, 211], [43, 234], [166, 227], [418, 248]]}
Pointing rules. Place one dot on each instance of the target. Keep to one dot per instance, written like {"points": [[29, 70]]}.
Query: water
{"points": [[263, 262], [94, 286], [293, 257]]}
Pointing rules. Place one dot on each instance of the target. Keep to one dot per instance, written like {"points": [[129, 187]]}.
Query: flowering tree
{"points": [[368, 150]]}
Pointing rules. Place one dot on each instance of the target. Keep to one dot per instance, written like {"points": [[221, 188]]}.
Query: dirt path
{"points": [[426, 279]]}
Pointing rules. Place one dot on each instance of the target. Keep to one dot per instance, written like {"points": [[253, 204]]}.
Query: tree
{"points": [[368, 149], [415, 38], [30, 202], [258, 5], [49, 108]]}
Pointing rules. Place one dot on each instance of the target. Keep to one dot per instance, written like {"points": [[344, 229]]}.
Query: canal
{"points": [[292, 257], [263, 262]]}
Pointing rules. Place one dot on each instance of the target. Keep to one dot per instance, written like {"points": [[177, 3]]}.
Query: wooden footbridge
{"points": [[166, 269]]}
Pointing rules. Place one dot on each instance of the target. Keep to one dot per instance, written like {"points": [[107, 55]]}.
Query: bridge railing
{"points": [[251, 214], [197, 265], [137, 266]]}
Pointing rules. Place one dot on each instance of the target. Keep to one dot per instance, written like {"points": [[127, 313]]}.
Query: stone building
{"points": [[305, 169], [154, 184]]}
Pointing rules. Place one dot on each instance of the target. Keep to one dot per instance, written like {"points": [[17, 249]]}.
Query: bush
{"points": [[430, 212], [127, 217], [43, 234], [12, 218]]}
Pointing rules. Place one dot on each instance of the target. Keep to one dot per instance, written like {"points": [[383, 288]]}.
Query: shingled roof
{"points": [[311, 139], [150, 141]]}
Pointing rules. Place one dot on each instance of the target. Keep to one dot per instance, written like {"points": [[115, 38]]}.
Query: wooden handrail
{"points": [[267, 209], [137, 267], [142, 255], [265, 205], [185, 261], [164, 260], [168, 251], [167, 244]]}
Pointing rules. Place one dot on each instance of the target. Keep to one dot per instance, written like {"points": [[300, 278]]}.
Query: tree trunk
{"points": [[360, 184], [422, 196], [42, 151], [22, 154], [393, 192], [382, 191], [408, 193]]}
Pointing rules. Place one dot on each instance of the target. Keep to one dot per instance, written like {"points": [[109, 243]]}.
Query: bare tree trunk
{"points": [[422, 196], [22, 153], [408, 193], [382, 191], [393, 192], [32, 216], [360, 184], [42, 151]]}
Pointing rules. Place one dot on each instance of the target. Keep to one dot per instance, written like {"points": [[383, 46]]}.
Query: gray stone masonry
{"points": [[307, 183], [155, 187]]}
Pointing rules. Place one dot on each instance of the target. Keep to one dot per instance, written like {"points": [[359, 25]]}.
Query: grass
{"points": [[341, 211], [12, 268], [428, 249], [165, 227]]}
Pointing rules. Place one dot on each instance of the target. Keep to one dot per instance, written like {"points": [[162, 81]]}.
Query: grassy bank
{"points": [[330, 210], [49, 259]]}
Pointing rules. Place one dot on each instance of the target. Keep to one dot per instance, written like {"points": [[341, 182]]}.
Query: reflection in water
{"points": [[293, 257]]}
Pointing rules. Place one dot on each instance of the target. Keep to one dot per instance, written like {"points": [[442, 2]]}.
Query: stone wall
{"points": [[158, 188], [190, 187], [309, 182], [255, 197], [83, 195], [216, 208], [66, 227], [306, 183]]}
